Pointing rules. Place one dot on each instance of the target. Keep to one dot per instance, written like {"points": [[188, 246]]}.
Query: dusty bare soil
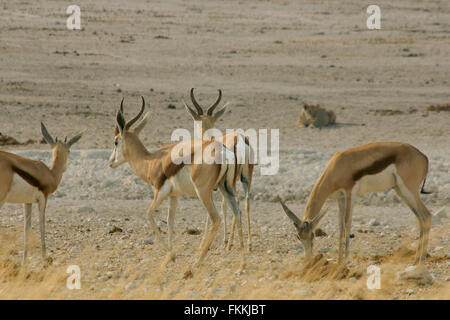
{"points": [[268, 57]]}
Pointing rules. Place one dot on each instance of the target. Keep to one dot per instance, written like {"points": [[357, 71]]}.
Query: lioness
{"points": [[314, 116]]}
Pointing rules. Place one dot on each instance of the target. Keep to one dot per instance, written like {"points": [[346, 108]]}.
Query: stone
{"points": [[148, 241], [420, 276], [84, 210], [438, 216], [320, 233], [409, 291], [115, 229], [130, 286]]}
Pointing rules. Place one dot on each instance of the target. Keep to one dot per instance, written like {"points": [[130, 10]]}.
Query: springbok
{"points": [[372, 167], [208, 121], [29, 181], [171, 177]]}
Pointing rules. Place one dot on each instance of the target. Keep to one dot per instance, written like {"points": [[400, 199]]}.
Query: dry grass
{"points": [[264, 277]]}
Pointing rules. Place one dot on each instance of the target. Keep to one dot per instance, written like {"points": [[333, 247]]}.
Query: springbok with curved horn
{"points": [[230, 141], [171, 178], [29, 181], [373, 167]]}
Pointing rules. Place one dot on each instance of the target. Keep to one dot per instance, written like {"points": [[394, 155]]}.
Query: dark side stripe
{"points": [[28, 178], [374, 168]]}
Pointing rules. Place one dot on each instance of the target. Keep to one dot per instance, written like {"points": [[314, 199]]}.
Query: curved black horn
{"points": [[196, 105], [132, 121], [121, 105], [211, 109]]}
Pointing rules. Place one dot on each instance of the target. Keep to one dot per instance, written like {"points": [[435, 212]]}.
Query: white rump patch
{"points": [[182, 182], [381, 181]]}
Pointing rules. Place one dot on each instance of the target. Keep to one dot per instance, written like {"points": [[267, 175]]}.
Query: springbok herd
{"points": [[373, 167]]}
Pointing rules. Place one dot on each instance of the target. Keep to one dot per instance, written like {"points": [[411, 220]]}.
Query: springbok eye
{"points": [[116, 143]]}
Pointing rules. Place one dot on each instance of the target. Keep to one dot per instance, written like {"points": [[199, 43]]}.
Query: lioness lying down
{"points": [[314, 116]]}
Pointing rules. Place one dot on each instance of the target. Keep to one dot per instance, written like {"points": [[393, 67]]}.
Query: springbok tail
{"points": [[422, 189]]}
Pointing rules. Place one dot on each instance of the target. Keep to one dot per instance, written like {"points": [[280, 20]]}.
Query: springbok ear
{"points": [[75, 138], [291, 215], [142, 123], [47, 135], [193, 114], [220, 113], [316, 220]]}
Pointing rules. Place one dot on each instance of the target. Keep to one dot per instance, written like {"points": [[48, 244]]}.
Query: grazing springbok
{"points": [[29, 181], [208, 121], [171, 177], [372, 167]]}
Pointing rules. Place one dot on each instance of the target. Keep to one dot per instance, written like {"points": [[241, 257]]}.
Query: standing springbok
{"points": [[29, 181], [373, 167], [171, 178], [208, 121]]}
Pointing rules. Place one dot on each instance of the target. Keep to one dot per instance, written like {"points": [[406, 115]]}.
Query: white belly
{"points": [[381, 181], [22, 192], [182, 183]]}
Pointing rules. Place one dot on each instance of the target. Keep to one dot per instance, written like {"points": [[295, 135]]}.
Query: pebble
{"points": [[409, 291], [85, 210], [130, 286], [148, 241], [419, 275], [374, 222], [438, 216], [115, 229], [303, 292]]}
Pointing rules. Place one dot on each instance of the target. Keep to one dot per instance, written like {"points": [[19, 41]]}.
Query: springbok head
{"points": [[123, 132], [208, 120], [304, 230], [60, 148]]}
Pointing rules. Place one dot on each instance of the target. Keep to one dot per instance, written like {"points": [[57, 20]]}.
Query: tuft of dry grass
{"points": [[266, 276]]}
